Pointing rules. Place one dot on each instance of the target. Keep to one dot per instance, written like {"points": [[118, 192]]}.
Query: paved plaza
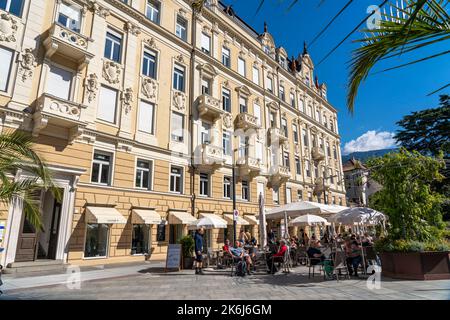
{"points": [[142, 281]]}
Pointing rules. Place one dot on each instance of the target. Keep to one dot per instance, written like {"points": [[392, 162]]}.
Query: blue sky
{"points": [[383, 99]]}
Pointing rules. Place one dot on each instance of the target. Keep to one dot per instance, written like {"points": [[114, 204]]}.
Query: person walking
{"points": [[198, 240]]}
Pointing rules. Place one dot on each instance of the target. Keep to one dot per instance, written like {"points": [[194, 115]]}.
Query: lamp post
{"points": [[233, 190]]}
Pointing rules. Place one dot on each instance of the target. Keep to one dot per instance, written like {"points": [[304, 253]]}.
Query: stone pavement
{"points": [[144, 282]]}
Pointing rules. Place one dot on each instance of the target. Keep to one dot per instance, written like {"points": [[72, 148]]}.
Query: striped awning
{"points": [[106, 215]]}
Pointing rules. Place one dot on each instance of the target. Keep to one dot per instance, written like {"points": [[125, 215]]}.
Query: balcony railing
{"points": [[212, 155], [276, 134], [279, 174], [317, 154], [69, 43], [209, 107], [246, 121], [249, 165]]}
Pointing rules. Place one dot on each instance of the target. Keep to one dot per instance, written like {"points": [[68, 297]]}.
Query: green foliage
{"points": [[187, 244], [414, 210], [18, 156], [400, 245]]}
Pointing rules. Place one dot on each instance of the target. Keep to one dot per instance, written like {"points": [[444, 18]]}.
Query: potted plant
{"points": [[415, 246], [187, 245]]}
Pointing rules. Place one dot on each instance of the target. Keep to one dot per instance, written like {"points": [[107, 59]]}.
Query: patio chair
{"points": [[301, 256], [234, 262], [371, 256], [311, 263], [340, 264]]}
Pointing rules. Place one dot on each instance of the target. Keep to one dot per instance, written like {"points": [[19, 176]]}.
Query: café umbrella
{"points": [[308, 220], [209, 221]]}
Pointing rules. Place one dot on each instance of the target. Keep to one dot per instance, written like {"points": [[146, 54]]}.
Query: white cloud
{"points": [[371, 140]]}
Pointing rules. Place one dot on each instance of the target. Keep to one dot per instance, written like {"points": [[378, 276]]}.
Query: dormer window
{"points": [[307, 80], [266, 49], [283, 62]]}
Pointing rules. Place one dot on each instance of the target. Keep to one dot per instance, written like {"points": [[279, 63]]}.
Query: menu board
{"points": [[161, 232], [173, 260]]}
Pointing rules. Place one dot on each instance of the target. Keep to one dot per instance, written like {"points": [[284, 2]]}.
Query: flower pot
{"points": [[416, 265], [188, 262]]}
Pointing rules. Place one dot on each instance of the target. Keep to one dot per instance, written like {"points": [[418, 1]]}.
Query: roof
{"points": [[353, 164]]}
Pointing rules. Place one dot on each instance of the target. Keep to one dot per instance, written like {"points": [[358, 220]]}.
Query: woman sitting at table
{"points": [[276, 257], [238, 253], [353, 253], [315, 255]]}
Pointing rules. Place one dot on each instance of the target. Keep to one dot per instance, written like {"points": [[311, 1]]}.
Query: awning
{"points": [[145, 216], [180, 217], [240, 221], [107, 215], [209, 221], [252, 220]]}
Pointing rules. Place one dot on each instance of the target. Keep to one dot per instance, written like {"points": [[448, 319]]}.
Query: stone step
{"points": [[34, 266]]}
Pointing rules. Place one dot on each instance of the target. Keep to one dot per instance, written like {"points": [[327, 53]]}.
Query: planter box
{"points": [[416, 265], [188, 263]]}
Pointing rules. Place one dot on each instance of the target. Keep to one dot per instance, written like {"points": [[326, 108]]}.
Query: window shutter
{"points": [[5, 66], [59, 81], [146, 113], [107, 103]]}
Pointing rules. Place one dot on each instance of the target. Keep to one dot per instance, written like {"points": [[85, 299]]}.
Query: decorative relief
{"points": [[111, 71], [179, 100], [8, 28], [133, 29], [180, 58], [151, 43], [226, 84], [27, 62], [227, 120], [297, 148], [149, 88], [99, 10], [182, 13], [127, 99], [91, 84]]}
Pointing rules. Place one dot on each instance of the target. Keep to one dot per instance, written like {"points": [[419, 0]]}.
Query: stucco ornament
{"points": [[27, 62], [111, 71], [149, 88], [151, 42], [227, 120], [8, 28], [179, 101], [91, 84], [127, 99]]}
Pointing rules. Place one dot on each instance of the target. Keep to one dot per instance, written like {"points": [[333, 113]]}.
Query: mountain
{"points": [[364, 155]]}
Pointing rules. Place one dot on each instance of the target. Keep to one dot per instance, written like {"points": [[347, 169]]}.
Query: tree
{"points": [[413, 208], [17, 155], [421, 23], [427, 131]]}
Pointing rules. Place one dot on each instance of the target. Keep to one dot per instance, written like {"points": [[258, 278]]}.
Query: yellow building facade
{"points": [[141, 109]]}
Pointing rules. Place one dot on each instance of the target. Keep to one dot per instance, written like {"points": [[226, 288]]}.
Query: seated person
{"points": [[253, 241], [353, 252], [276, 257], [238, 253], [273, 248], [314, 253], [367, 240], [226, 247]]}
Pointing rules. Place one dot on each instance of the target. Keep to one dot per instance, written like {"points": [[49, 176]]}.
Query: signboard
{"points": [[2, 230], [235, 214], [173, 260], [161, 232]]}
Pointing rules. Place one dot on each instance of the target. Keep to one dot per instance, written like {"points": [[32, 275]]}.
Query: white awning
{"points": [[145, 216], [107, 215], [240, 221], [180, 217], [209, 221], [252, 220]]}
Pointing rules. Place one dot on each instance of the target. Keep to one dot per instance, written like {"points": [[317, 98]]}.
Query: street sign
{"points": [[235, 214]]}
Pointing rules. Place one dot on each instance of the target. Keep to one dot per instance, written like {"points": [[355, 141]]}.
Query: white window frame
{"points": [[150, 4], [182, 129], [226, 56], [101, 163], [176, 74], [179, 28], [178, 176], [115, 107], [229, 140], [228, 97], [255, 75], [206, 43], [147, 61], [71, 86], [242, 67], [68, 18], [152, 131], [149, 170], [8, 7], [115, 43], [224, 184], [8, 74], [248, 190]]}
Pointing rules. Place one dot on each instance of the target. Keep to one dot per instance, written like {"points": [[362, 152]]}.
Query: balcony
{"points": [[246, 121], [279, 174], [320, 186], [249, 165], [212, 155], [58, 112], [317, 154], [276, 134], [68, 43], [209, 108]]}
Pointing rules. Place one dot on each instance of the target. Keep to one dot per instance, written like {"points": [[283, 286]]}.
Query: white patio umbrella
{"points": [[327, 208], [209, 221], [262, 222], [359, 216], [308, 220], [292, 210]]}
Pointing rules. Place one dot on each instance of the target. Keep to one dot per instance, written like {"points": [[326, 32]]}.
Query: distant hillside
{"points": [[364, 155]]}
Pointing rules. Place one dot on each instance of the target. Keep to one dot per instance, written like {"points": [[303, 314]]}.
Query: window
{"points": [[330, 175], [107, 104], [242, 104], [260, 189], [288, 195], [295, 132], [283, 62], [298, 167], [269, 84], [206, 43], [331, 125], [282, 94], [245, 191], [259, 150], [340, 201], [226, 57], [227, 187], [284, 126], [181, 28], [69, 16], [241, 66], [140, 239], [307, 169], [307, 80], [305, 137], [317, 115], [302, 106], [334, 153], [101, 168], [256, 75], [276, 199], [321, 143], [299, 195], [257, 113], [243, 144], [310, 198], [206, 86], [146, 117], [113, 46], [292, 99], [176, 179], [334, 200], [328, 150], [177, 127], [205, 133], [12, 6], [5, 67], [59, 82], [149, 64], [96, 244], [143, 174], [272, 119], [178, 78], [316, 171], [310, 111], [314, 142], [226, 100], [286, 159], [204, 184], [153, 10], [226, 143], [325, 122]]}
